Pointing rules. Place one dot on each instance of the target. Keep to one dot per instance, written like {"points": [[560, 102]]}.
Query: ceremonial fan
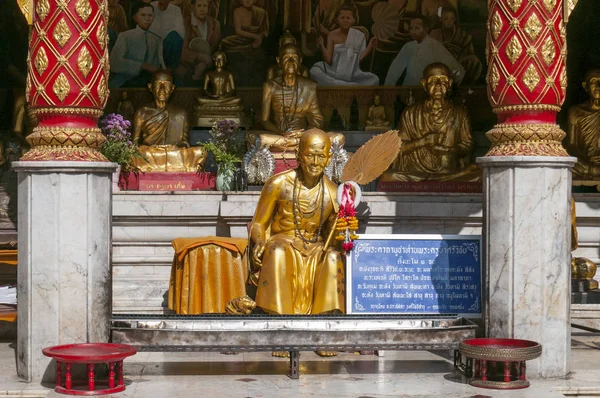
{"points": [[386, 21], [368, 163]]}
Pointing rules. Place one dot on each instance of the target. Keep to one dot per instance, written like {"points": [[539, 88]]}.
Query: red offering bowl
{"points": [[89, 354], [498, 363]]}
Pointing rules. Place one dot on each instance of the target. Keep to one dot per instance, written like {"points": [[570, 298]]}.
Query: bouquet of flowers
{"points": [[227, 150], [118, 148], [347, 223]]}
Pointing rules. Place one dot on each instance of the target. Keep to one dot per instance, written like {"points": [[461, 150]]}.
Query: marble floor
{"points": [[398, 374]]}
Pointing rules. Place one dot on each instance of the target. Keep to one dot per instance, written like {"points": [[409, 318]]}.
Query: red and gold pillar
{"points": [[67, 79]]}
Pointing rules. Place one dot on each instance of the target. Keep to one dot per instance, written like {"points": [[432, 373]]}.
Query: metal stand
{"points": [[294, 365]]}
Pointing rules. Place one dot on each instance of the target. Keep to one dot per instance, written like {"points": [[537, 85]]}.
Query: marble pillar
{"points": [[527, 255], [64, 275]]}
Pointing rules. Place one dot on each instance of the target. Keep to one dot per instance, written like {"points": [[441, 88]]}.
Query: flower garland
{"points": [[347, 224]]}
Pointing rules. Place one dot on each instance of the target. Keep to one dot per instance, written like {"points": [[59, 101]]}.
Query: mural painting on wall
{"points": [[343, 42]]}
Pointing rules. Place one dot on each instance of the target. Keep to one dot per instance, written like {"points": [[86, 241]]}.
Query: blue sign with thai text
{"points": [[414, 274]]}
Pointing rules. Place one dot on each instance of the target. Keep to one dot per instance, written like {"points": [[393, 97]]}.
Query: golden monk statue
{"points": [[275, 70], [376, 118], [583, 133], [436, 136], [161, 131], [290, 105]]}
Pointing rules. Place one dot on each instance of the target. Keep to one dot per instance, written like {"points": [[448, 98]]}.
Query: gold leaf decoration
{"points": [[531, 51], [42, 9], [563, 79], [102, 89], [41, 61], [61, 87], [514, 4], [513, 50], [494, 77], [83, 9], [531, 78], [496, 25], [101, 36], [27, 88], [533, 26], [549, 4], [548, 51], [84, 61], [61, 33]]}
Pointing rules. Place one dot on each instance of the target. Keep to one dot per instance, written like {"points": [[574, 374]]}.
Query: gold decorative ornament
{"points": [[91, 112], [514, 23], [61, 87], [62, 4], [84, 34], [531, 51], [101, 35], [42, 9], [78, 153], [533, 26], [526, 140], [102, 90], [494, 77], [563, 80], [569, 7], [549, 4], [496, 25], [531, 78], [514, 50], [66, 136], [511, 80], [514, 4], [61, 33], [27, 88], [84, 61], [526, 108], [62, 60], [548, 51], [83, 9], [26, 7], [41, 61]]}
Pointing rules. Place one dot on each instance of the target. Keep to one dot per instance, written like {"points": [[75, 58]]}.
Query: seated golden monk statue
{"points": [[161, 131], [219, 100], [436, 136], [583, 133], [289, 106], [275, 70], [376, 118]]}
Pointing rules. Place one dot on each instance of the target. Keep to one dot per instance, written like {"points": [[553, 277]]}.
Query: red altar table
{"points": [[89, 354]]}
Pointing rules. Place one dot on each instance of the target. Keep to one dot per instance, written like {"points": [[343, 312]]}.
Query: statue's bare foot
{"points": [[326, 353], [280, 354]]}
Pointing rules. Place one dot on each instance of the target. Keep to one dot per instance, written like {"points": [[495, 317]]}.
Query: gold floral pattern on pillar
{"points": [[496, 25], [84, 61], [41, 61], [101, 36], [514, 50], [533, 26], [548, 51], [494, 77], [514, 4], [61, 87], [83, 9], [549, 4], [103, 90], [61, 33], [42, 9]]}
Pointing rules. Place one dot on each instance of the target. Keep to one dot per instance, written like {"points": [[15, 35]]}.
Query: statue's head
{"points": [[377, 99], [143, 14], [591, 83], [200, 8], [346, 16], [289, 58], [220, 59], [436, 80], [449, 17], [287, 38], [314, 152], [419, 28], [161, 85]]}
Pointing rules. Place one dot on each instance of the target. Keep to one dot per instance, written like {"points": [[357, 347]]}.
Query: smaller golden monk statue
{"points": [[161, 131], [275, 70], [289, 106], [376, 118], [583, 133], [436, 135], [219, 100]]}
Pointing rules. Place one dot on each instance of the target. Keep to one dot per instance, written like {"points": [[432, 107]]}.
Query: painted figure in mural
{"points": [[117, 22], [251, 24], [137, 52], [202, 38], [459, 43], [346, 48], [376, 118], [583, 133], [293, 218], [275, 70], [326, 16], [431, 10], [219, 86], [168, 25], [161, 130], [125, 107], [436, 136], [417, 54]]}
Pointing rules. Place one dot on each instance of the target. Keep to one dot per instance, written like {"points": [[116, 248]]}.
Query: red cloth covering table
{"points": [[90, 354]]}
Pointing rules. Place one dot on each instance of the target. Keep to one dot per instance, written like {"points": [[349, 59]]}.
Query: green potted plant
{"points": [[119, 147], [227, 152]]}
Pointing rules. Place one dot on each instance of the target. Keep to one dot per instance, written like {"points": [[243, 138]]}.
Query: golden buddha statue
{"points": [[436, 135], [583, 133], [290, 106], [275, 70], [376, 118], [219, 100], [161, 131]]}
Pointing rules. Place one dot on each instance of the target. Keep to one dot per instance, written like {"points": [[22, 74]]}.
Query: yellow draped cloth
{"points": [[206, 274]]}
